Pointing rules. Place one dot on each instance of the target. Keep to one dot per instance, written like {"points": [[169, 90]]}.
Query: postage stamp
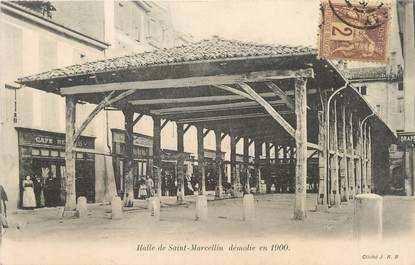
{"points": [[354, 31]]}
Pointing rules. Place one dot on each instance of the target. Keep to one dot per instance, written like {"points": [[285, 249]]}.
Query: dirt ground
{"points": [[43, 231]]}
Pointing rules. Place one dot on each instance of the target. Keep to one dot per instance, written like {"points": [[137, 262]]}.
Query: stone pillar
{"points": [[301, 149], [81, 207], [249, 208], [201, 208], [219, 163], [368, 217], [68, 182], [180, 163], [116, 208], [364, 159]]}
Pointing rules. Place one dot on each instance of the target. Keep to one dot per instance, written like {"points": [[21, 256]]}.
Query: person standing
{"points": [[38, 189], [29, 199], [150, 187], [3, 210]]}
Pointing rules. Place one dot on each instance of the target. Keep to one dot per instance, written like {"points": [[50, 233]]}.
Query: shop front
{"points": [[42, 158], [143, 153]]}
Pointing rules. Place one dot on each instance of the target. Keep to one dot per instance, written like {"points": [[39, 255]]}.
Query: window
{"points": [[127, 18], [400, 86], [363, 90]]}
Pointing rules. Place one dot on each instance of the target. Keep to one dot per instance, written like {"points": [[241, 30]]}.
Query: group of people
{"points": [[145, 188], [39, 193]]}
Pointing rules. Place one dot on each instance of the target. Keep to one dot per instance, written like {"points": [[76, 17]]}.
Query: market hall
{"points": [[278, 96]]}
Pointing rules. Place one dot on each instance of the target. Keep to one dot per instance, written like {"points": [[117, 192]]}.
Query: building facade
{"points": [[38, 36]]}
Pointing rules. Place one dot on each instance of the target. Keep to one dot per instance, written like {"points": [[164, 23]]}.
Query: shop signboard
{"points": [[407, 138]]}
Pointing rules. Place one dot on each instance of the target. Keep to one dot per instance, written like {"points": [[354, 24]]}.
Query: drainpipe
{"points": [[328, 132], [328, 114], [361, 133]]}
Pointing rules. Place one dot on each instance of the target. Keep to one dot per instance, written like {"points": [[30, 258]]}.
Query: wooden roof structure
{"points": [[196, 84], [262, 92]]}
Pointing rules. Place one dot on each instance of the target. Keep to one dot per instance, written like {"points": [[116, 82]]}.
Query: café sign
{"points": [[407, 138]]}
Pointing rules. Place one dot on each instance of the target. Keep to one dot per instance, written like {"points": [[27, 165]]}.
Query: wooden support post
{"points": [[180, 163], [344, 187], [301, 149], [206, 132], [219, 164], [68, 191], [247, 188], [157, 153], [350, 151], [322, 160], [234, 179], [137, 119], [129, 161], [334, 161], [268, 166], [164, 124], [359, 159], [201, 159], [276, 168], [258, 149]]}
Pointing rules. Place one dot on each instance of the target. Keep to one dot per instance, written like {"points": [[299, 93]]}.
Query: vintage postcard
{"points": [[207, 132]]}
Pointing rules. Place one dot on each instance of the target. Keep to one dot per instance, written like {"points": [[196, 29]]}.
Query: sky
{"points": [[284, 22]]}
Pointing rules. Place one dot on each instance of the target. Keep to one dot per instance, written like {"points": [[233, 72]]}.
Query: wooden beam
{"points": [[201, 158], [235, 181], [313, 146], [157, 153], [210, 108], [230, 117], [344, 187], [247, 188], [334, 161], [322, 159], [234, 91], [137, 119], [223, 136], [274, 114], [164, 124], [206, 133], [237, 139], [350, 150], [219, 162], [187, 128], [204, 99], [301, 149], [91, 116], [189, 81], [129, 161], [257, 158], [281, 94], [180, 163], [250, 142]]}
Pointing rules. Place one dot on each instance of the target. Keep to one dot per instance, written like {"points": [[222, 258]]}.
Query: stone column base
{"points": [[249, 208], [201, 208]]}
